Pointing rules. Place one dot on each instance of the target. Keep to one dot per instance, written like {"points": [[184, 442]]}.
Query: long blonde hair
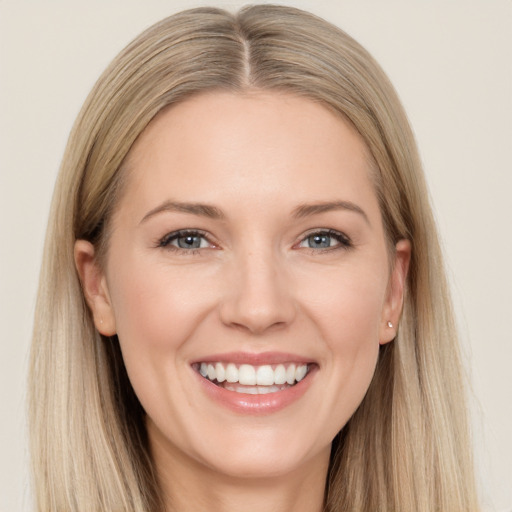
{"points": [[407, 446]]}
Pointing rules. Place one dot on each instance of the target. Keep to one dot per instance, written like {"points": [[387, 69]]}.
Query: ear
{"points": [[395, 294], [94, 285]]}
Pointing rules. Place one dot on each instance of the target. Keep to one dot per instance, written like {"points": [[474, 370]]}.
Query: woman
{"points": [[243, 302]]}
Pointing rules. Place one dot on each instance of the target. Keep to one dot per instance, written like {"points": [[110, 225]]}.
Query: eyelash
{"points": [[343, 240], [166, 241]]}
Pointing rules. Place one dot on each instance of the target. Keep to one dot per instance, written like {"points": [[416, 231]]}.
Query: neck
{"points": [[188, 486], [231, 495]]}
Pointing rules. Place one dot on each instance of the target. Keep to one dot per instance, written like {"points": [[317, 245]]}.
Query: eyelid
{"points": [[344, 241], [165, 241]]}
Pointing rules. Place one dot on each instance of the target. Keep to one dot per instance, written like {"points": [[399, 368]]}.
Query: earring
{"points": [[390, 325]]}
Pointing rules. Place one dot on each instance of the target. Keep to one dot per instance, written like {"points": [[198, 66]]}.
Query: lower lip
{"points": [[257, 404]]}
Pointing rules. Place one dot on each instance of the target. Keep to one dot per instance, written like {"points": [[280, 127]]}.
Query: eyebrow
{"points": [[203, 210], [306, 210], [212, 212]]}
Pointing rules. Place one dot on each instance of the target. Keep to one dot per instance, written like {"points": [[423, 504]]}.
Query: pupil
{"points": [[189, 242], [319, 241]]}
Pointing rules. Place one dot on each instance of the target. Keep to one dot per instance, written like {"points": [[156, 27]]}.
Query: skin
{"points": [[255, 285]]}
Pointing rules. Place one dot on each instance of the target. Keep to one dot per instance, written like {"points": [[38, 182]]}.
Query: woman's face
{"points": [[248, 280]]}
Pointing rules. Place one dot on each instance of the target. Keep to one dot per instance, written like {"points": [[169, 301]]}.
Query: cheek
{"points": [[347, 305], [156, 307], [156, 312], [348, 314]]}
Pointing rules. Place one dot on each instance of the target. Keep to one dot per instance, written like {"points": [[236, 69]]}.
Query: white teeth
{"points": [[300, 372], [211, 372], [247, 375], [290, 374], [221, 372], [265, 377], [263, 390], [280, 374], [253, 390], [231, 373]]}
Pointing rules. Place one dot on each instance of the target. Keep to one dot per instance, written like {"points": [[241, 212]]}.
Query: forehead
{"points": [[272, 145]]}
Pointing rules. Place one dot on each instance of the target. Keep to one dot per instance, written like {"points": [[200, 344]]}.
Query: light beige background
{"points": [[451, 63]]}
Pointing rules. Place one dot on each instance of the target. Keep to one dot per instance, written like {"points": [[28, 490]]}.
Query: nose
{"points": [[259, 294]]}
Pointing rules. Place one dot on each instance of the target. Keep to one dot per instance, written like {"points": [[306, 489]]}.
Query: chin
{"points": [[261, 451], [258, 463]]}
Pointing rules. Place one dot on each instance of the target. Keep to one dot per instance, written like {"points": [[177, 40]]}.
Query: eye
{"points": [[325, 239], [185, 240]]}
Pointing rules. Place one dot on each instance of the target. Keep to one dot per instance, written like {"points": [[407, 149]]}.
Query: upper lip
{"points": [[254, 359]]}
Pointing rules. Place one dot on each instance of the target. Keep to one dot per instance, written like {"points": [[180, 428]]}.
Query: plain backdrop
{"points": [[451, 62]]}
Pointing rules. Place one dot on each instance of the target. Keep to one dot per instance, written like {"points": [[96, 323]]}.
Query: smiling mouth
{"points": [[253, 380]]}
